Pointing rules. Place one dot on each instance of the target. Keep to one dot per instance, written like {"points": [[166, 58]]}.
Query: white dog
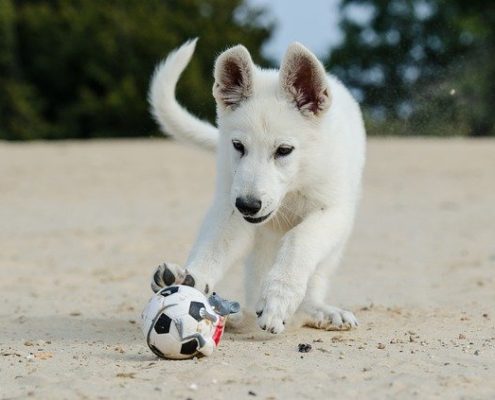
{"points": [[290, 152]]}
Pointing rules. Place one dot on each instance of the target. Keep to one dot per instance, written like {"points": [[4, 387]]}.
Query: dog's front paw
{"points": [[168, 274], [277, 304]]}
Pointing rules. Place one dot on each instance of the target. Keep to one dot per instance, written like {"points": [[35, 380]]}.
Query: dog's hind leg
{"points": [[314, 311]]}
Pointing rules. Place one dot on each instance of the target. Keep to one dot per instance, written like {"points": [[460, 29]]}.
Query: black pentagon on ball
{"points": [[162, 324], [194, 309], [189, 348], [170, 290]]}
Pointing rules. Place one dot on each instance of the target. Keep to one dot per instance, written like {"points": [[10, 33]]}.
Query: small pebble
{"points": [[380, 346], [304, 347], [251, 393]]}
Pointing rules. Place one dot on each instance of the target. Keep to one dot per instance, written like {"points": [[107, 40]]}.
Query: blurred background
{"points": [[81, 68]]}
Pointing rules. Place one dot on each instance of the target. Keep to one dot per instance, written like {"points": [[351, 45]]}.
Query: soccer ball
{"points": [[180, 323]]}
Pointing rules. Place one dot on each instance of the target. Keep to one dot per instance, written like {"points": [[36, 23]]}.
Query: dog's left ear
{"points": [[304, 81], [233, 77]]}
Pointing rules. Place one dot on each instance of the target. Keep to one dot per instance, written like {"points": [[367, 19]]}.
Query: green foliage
{"points": [[81, 68], [420, 66]]}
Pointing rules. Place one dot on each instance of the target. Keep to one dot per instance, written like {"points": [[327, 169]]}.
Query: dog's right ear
{"points": [[233, 77]]}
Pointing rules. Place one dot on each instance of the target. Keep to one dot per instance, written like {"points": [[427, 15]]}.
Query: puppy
{"points": [[290, 147]]}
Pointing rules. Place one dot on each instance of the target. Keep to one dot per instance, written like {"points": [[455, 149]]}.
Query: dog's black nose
{"points": [[248, 205]]}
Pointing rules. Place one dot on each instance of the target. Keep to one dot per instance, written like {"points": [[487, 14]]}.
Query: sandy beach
{"points": [[83, 224]]}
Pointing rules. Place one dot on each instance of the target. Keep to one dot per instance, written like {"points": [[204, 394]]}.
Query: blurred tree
{"points": [[81, 68], [19, 107], [420, 66]]}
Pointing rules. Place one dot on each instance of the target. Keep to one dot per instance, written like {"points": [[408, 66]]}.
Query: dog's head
{"points": [[268, 122]]}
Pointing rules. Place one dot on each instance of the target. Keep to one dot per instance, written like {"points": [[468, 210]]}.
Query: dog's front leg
{"points": [[301, 250], [222, 240]]}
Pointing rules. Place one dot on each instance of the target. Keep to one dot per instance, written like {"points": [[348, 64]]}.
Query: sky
{"points": [[314, 23]]}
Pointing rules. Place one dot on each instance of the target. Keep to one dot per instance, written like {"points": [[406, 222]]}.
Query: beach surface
{"points": [[83, 225]]}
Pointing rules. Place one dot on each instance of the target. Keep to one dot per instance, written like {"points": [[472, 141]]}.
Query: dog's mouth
{"points": [[258, 219]]}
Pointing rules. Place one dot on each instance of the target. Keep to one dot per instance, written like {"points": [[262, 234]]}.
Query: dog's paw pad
{"points": [[167, 274], [189, 280]]}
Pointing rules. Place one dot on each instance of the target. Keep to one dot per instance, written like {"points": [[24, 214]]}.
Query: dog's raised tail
{"points": [[170, 115]]}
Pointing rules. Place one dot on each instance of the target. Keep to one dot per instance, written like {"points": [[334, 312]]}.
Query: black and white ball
{"points": [[172, 322]]}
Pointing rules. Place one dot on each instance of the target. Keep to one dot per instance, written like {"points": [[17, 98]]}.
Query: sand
{"points": [[83, 224]]}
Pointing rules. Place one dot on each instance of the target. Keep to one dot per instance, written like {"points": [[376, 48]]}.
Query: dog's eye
{"points": [[283, 151], [239, 147]]}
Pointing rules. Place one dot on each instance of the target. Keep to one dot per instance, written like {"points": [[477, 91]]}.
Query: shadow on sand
{"points": [[69, 328]]}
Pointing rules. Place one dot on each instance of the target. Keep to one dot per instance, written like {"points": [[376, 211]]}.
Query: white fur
{"points": [[168, 113], [310, 194]]}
